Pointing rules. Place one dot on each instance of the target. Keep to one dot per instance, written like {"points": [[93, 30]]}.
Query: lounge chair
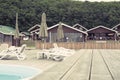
{"points": [[55, 45], [48, 54], [3, 48], [16, 51], [58, 58], [64, 51], [56, 53]]}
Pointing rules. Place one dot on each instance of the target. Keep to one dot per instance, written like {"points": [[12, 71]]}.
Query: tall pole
{"points": [[50, 37], [115, 37], [16, 35]]}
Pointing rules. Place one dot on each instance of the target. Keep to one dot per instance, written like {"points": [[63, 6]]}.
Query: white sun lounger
{"points": [[3, 46], [56, 53], [50, 54], [15, 51]]}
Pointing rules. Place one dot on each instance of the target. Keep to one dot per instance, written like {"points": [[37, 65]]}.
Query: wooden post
{"points": [[50, 37], [115, 37], [17, 42]]}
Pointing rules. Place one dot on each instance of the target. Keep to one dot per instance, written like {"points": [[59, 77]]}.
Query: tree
{"points": [[88, 14]]}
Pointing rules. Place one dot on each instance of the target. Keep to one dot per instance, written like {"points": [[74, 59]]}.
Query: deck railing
{"points": [[82, 45]]}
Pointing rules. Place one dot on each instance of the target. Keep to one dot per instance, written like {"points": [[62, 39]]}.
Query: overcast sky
{"points": [[98, 0]]}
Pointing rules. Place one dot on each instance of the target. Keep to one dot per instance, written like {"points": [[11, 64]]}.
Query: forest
{"points": [[87, 14]]}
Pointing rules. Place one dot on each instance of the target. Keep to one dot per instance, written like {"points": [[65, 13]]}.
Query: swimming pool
{"points": [[16, 72]]}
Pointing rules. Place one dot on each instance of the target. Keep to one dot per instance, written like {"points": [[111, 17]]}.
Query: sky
{"points": [[98, 0]]}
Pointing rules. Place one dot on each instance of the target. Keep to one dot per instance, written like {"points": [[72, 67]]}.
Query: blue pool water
{"points": [[13, 72], [9, 77]]}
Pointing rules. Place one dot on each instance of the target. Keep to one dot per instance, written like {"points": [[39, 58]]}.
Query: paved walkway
{"points": [[86, 64]]}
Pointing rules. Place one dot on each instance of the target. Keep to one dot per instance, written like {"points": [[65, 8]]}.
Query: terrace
{"points": [[87, 64]]}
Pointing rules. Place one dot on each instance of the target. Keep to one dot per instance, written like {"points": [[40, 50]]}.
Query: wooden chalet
{"points": [[25, 35], [101, 33], [117, 28], [7, 34], [80, 27], [71, 34], [34, 31]]}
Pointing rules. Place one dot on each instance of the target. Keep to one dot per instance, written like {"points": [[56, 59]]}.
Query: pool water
{"points": [[9, 77], [17, 72]]}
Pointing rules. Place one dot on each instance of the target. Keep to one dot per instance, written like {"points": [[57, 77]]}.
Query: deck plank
{"points": [[99, 68], [105, 66], [57, 71], [82, 69], [113, 62]]}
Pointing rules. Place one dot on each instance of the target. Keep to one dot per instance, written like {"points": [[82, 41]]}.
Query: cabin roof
{"points": [[25, 33], [101, 27], [116, 26], [67, 27], [37, 25], [7, 30], [80, 26]]}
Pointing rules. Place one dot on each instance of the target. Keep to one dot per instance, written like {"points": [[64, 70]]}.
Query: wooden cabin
{"points": [[101, 33], [7, 34], [34, 32], [25, 35], [71, 34], [80, 27], [117, 28]]}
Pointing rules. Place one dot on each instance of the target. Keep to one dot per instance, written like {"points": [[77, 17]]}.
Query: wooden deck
{"points": [[86, 64]]}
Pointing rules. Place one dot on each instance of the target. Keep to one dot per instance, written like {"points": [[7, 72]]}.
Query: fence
{"points": [[82, 45]]}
